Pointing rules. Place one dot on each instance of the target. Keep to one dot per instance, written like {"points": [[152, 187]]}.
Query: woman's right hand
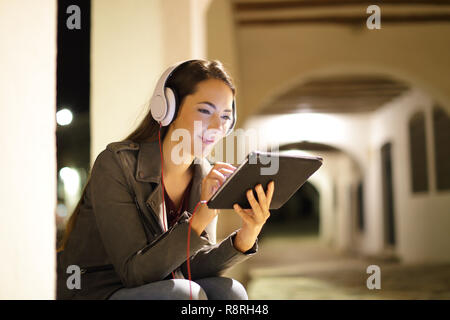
{"points": [[210, 183], [215, 178]]}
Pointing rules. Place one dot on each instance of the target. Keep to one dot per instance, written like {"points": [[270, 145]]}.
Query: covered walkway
{"points": [[300, 267]]}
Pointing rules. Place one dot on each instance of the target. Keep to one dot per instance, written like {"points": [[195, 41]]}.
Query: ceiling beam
{"points": [[281, 5], [345, 20]]}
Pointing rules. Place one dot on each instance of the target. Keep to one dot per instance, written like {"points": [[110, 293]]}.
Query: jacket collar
{"points": [[149, 170]]}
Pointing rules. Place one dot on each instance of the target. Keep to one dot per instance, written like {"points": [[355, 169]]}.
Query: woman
{"points": [[119, 235]]}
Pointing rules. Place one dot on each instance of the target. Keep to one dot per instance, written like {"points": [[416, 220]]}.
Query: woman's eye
{"points": [[204, 111]]}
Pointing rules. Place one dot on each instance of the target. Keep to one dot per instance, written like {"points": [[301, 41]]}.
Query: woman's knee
{"points": [[174, 289], [223, 288], [182, 290], [238, 291]]}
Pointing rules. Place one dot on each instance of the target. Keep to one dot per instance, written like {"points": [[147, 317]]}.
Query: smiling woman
{"points": [[120, 234]]}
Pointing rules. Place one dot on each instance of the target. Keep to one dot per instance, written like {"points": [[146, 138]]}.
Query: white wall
{"points": [[28, 144], [422, 219], [126, 58], [221, 38]]}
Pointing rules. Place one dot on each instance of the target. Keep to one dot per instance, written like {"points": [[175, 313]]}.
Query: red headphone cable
{"points": [[190, 220], [188, 247], [162, 179]]}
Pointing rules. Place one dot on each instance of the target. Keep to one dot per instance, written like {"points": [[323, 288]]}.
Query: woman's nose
{"points": [[215, 124]]}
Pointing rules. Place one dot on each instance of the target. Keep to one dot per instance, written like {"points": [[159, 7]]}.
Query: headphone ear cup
{"points": [[158, 108], [171, 106]]}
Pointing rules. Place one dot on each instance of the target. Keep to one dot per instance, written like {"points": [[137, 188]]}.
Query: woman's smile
{"points": [[206, 141]]}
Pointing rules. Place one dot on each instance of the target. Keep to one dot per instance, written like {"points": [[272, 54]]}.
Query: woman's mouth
{"points": [[207, 141]]}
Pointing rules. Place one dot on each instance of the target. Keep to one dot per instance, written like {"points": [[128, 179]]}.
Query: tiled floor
{"points": [[296, 267]]}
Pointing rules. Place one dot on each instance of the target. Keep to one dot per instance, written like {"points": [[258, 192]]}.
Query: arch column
{"points": [[28, 148]]}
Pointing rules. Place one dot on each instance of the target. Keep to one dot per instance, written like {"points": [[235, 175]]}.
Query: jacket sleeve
{"points": [[122, 232], [213, 260]]}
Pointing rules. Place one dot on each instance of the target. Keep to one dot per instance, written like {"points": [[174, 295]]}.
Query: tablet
{"points": [[289, 172]]}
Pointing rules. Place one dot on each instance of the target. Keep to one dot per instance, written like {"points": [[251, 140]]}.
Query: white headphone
{"points": [[163, 102]]}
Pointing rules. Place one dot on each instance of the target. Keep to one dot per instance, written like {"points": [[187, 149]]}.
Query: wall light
{"points": [[64, 117]]}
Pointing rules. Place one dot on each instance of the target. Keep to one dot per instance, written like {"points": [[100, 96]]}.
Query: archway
{"points": [[299, 216]]}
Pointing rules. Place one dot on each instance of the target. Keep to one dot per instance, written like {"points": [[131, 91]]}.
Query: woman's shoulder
{"points": [[113, 153], [122, 145]]}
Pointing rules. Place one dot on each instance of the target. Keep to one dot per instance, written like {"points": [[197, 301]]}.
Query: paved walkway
{"points": [[294, 267]]}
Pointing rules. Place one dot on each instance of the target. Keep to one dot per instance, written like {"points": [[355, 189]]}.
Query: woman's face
{"points": [[207, 114]]}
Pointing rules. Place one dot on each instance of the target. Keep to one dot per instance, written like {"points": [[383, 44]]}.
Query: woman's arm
{"points": [[122, 233], [212, 260], [241, 244]]}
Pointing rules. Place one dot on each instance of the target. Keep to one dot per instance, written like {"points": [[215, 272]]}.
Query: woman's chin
{"points": [[206, 150]]}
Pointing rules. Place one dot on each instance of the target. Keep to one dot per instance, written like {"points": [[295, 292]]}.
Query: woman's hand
{"points": [[253, 219], [211, 182], [215, 178]]}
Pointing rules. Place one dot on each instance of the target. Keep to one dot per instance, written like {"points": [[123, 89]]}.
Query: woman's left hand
{"points": [[253, 219]]}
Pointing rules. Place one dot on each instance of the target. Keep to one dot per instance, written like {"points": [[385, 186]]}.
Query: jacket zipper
{"points": [[145, 220], [161, 236], [153, 217]]}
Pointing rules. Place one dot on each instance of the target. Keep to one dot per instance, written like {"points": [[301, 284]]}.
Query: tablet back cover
{"points": [[292, 173]]}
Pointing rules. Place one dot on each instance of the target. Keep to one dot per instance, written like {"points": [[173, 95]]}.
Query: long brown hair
{"points": [[183, 81]]}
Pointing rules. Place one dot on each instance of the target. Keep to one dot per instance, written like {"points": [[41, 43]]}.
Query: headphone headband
{"points": [[163, 102]]}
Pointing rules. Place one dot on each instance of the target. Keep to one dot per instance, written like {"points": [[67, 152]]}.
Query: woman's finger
{"points": [[261, 197], [270, 191], [225, 172], [255, 205], [219, 164], [215, 174]]}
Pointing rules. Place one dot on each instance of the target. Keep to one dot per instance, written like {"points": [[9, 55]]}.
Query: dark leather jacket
{"points": [[117, 240]]}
